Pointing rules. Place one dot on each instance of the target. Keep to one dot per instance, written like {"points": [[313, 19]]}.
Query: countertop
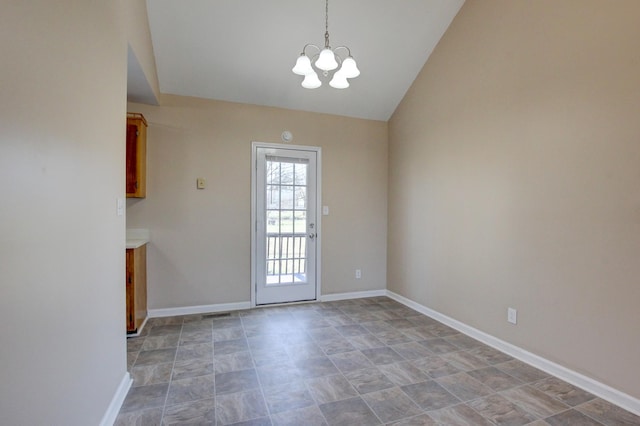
{"points": [[135, 243], [137, 238]]}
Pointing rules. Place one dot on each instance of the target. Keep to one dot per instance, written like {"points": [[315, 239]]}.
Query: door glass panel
{"points": [[286, 221]]}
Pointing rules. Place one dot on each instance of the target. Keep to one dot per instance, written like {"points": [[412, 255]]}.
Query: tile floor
{"points": [[355, 362]]}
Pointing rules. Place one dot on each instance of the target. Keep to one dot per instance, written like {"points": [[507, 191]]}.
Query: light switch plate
{"points": [[325, 210], [201, 183]]}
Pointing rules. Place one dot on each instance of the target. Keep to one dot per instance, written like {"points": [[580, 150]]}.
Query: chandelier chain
{"points": [[326, 24]]}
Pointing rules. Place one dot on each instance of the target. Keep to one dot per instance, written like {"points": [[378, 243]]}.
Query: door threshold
{"points": [[296, 302]]}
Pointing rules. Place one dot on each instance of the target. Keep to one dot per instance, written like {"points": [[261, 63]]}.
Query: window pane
{"points": [[286, 221], [273, 249], [273, 221], [286, 197], [286, 173], [300, 174], [273, 196], [273, 172], [300, 248], [301, 197], [300, 222]]}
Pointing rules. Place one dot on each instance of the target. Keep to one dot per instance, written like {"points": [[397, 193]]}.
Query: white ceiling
{"points": [[243, 50]]}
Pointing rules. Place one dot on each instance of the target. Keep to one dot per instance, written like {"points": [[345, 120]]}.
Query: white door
{"points": [[285, 257]]}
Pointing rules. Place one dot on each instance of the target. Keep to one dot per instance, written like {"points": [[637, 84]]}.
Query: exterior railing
{"points": [[286, 255]]}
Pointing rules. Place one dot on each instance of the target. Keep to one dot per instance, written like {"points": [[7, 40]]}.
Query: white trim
{"points": [[353, 295], [254, 220], [111, 414], [200, 309], [237, 306], [318, 223], [599, 389], [254, 158]]}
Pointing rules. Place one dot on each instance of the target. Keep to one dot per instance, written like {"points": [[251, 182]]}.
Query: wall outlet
{"points": [[358, 274], [512, 315], [201, 183]]}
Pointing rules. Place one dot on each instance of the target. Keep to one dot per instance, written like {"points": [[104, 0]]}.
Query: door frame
{"points": [[254, 212]]}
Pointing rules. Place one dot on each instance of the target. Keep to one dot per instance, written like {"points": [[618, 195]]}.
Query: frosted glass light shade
{"points": [[349, 68], [303, 65], [339, 81], [311, 81], [327, 60]]}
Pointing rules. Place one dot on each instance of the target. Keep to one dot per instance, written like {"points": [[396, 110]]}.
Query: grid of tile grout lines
{"points": [[353, 362]]}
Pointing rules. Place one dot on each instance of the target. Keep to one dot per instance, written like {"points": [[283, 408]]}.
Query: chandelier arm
{"points": [[304, 49], [343, 47]]}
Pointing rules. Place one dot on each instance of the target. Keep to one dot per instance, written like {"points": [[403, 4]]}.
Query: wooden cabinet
{"points": [[136, 288], [136, 156]]}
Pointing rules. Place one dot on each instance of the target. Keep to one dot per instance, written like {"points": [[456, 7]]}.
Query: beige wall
{"points": [[62, 106], [515, 181], [200, 249]]}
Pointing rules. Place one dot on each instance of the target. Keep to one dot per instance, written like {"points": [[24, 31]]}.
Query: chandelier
{"points": [[326, 60]]}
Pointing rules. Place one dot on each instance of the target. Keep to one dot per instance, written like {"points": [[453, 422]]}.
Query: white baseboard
{"points": [[353, 295], [201, 309], [225, 307], [110, 416], [601, 390]]}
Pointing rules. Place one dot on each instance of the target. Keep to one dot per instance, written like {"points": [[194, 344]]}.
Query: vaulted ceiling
{"points": [[243, 50]]}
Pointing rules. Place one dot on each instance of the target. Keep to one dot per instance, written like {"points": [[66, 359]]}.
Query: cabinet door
{"points": [[140, 285], [136, 156], [131, 320], [132, 158]]}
